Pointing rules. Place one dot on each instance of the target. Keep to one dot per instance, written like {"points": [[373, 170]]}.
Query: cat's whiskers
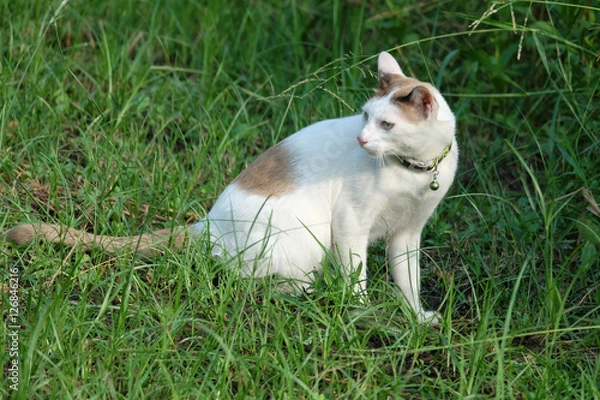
{"points": [[385, 160]]}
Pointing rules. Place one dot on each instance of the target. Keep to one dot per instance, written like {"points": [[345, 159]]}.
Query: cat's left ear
{"points": [[421, 101], [386, 64]]}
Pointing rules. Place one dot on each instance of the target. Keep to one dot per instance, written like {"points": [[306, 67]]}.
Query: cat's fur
{"points": [[335, 186]]}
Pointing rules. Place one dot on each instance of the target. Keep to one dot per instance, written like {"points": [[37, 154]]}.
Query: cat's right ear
{"points": [[386, 64]]}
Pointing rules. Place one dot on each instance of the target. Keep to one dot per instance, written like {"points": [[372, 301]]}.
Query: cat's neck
{"points": [[423, 166]]}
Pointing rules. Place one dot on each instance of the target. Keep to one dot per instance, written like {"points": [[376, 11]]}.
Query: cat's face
{"points": [[406, 117]]}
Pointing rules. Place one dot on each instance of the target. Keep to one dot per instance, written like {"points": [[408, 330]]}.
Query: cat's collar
{"points": [[428, 166]]}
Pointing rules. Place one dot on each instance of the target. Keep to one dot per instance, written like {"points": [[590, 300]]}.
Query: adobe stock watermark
{"points": [[12, 330]]}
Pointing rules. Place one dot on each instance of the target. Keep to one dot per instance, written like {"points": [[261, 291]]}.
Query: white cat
{"points": [[337, 186]]}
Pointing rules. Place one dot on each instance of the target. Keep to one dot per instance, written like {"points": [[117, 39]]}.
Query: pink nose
{"points": [[361, 141]]}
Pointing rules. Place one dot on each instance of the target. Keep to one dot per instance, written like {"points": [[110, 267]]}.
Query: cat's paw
{"points": [[430, 317]]}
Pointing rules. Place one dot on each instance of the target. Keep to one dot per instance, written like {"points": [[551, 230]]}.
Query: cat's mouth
{"points": [[369, 148], [375, 151]]}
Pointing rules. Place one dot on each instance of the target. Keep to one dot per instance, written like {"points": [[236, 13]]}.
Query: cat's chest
{"points": [[388, 190], [386, 202], [391, 215]]}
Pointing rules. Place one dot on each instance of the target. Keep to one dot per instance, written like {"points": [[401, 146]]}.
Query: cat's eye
{"points": [[387, 125], [366, 115]]}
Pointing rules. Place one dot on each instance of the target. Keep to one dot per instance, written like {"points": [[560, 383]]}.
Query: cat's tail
{"points": [[147, 244]]}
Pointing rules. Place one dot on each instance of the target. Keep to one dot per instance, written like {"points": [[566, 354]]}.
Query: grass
{"points": [[120, 117]]}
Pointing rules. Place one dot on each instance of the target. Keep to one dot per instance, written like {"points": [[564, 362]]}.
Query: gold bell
{"points": [[434, 185]]}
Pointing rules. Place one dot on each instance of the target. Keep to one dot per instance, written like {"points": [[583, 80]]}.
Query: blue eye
{"points": [[387, 125]]}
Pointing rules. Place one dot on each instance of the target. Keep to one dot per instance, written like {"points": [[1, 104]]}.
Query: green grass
{"points": [[119, 117]]}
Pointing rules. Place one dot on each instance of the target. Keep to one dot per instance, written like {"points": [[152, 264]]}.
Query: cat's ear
{"points": [[421, 101], [386, 64]]}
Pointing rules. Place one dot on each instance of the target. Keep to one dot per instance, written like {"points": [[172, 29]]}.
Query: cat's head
{"points": [[406, 117]]}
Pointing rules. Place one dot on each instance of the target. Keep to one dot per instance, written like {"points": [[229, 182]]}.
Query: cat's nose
{"points": [[361, 141]]}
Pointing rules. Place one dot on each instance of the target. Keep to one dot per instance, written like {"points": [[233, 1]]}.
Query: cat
{"points": [[333, 188]]}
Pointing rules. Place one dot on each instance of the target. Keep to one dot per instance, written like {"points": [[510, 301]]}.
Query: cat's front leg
{"points": [[404, 265], [351, 252]]}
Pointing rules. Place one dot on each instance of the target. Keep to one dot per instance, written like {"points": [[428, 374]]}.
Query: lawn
{"points": [[119, 117]]}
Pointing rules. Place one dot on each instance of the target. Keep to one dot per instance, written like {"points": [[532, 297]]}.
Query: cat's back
{"points": [[314, 155], [323, 150], [327, 136]]}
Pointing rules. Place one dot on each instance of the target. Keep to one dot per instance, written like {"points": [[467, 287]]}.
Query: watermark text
{"points": [[12, 330]]}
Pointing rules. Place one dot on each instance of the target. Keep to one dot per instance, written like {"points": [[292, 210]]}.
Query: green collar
{"points": [[427, 167]]}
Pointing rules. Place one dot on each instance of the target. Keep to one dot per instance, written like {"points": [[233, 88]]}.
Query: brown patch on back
{"points": [[270, 175], [412, 96]]}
